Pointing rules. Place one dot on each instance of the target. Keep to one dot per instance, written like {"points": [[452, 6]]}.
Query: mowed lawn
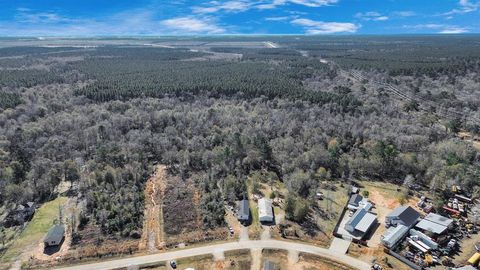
{"points": [[36, 229]]}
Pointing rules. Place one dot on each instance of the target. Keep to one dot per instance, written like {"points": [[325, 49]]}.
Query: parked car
{"points": [[173, 264]]}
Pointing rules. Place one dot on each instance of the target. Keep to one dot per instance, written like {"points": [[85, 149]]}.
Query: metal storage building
{"points": [[265, 210], [54, 236], [393, 235], [354, 201], [404, 215], [243, 213], [435, 223], [361, 221]]}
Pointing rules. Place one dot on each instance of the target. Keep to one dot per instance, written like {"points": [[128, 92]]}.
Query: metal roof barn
{"points": [[243, 213], [360, 221], [444, 221], [404, 215], [55, 235], [430, 226], [265, 210]]}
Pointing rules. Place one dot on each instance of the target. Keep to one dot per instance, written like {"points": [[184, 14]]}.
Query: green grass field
{"points": [[36, 229]]}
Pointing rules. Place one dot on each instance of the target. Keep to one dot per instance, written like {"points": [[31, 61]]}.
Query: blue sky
{"points": [[184, 17]]}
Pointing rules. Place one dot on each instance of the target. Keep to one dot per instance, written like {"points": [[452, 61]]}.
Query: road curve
{"points": [[205, 250]]}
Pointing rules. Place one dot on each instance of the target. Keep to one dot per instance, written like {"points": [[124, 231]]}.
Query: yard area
{"points": [[35, 231], [386, 197]]}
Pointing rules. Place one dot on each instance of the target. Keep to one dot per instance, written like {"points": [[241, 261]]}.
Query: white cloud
{"points": [[25, 15], [404, 13], [244, 5], [454, 30], [314, 3], [130, 22], [439, 28], [229, 6], [276, 19], [191, 25], [465, 6], [371, 16], [319, 27]]}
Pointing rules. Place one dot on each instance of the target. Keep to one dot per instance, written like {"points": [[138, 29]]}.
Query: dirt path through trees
{"points": [[153, 236]]}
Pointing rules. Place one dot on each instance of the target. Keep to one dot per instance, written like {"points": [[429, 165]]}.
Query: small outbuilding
{"points": [[354, 201], [268, 265], [404, 215], [54, 236], [243, 212], [265, 210]]}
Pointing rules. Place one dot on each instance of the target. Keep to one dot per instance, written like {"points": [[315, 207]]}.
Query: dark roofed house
{"points": [[354, 201], [54, 236], [243, 213], [21, 214], [404, 215]]}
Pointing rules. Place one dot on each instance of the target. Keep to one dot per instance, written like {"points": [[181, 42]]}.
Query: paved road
{"points": [[249, 244]]}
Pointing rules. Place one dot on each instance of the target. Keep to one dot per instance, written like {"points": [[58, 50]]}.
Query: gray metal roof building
{"points": [[265, 210], [444, 221], [355, 199], [55, 235], [243, 213], [433, 227], [435, 223], [360, 221], [393, 235], [268, 265], [404, 215]]}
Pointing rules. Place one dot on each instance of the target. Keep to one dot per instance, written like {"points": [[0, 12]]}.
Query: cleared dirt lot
{"points": [[153, 232]]}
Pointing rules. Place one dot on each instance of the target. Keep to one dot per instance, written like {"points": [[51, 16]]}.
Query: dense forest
{"points": [[101, 117]]}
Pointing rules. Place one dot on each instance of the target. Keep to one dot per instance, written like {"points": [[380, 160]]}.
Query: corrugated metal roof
{"points": [[268, 265], [265, 208], [355, 199], [55, 234], [356, 218], [406, 214], [394, 234], [366, 222], [436, 218], [244, 209], [430, 226]]}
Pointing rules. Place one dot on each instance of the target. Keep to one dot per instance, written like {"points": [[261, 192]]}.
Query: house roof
{"points": [[394, 234], [244, 209], [268, 265], [406, 214], [265, 208], [357, 216], [436, 218], [55, 233], [366, 222], [430, 226], [355, 199]]}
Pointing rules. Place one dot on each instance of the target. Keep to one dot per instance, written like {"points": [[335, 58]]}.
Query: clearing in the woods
{"points": [[153, 233], [28, 241]]}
